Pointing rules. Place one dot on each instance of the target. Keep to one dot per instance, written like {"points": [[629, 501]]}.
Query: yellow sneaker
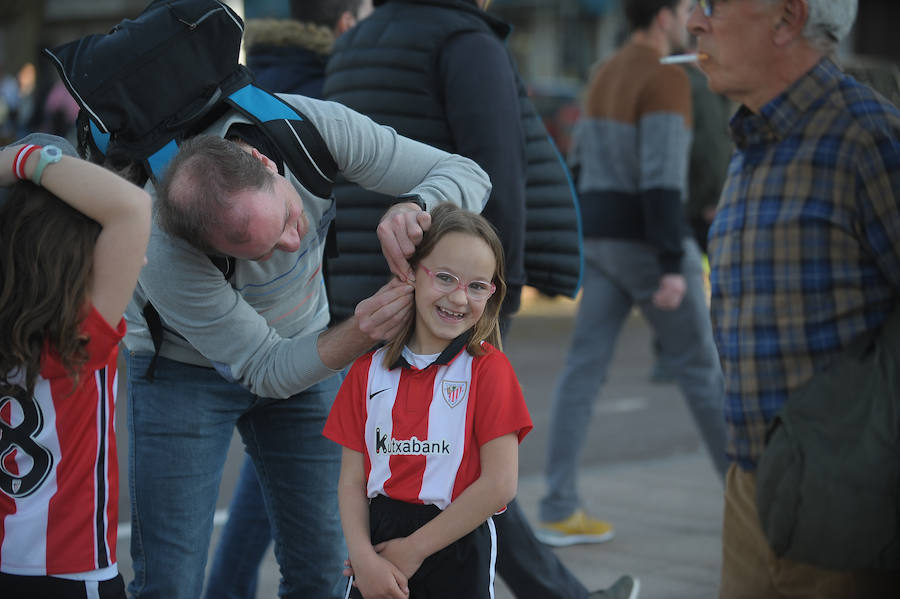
{"points": [[577, 528]]}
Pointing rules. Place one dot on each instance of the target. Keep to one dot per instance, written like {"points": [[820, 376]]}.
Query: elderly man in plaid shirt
{"points": [[804, 249]]}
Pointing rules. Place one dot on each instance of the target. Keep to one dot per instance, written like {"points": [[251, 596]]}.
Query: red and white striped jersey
{"points": [[420, 430], [59, 484]]}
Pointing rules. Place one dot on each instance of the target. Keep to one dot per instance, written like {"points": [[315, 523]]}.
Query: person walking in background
{"points": [[710, 151], [804, 249], [630, 148], [288, 56], [439, 71], [420, 484], [72, 242]]}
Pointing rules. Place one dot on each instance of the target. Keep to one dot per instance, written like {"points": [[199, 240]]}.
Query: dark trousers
{"points": [[13, 586], [528, 567], [465, 568]]}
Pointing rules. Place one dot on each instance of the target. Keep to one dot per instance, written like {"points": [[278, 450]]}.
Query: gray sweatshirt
{"points": [[260, 328]]}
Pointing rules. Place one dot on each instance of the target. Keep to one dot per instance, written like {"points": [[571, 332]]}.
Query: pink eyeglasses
{"points": [[445, 282]]}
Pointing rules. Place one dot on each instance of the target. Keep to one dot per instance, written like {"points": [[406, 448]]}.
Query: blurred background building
{"points": [[556, 43]]}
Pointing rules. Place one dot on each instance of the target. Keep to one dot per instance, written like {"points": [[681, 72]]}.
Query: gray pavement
{"points": [[642, 469]]}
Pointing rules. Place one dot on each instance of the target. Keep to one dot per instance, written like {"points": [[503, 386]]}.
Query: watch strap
{"points": [[412, 198], [49, 155]]}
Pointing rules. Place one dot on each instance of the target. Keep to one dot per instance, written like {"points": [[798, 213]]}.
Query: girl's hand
{"points": [[401, 553], [348, 569], [377, 578]]}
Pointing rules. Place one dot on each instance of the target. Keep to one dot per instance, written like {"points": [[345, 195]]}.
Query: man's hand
{"points": [[671, 291], [381, 316], [400, 230], [377, 318]]}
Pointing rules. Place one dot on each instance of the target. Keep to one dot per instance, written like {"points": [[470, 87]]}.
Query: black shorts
{"points": [[15, 586], [464, 568]]}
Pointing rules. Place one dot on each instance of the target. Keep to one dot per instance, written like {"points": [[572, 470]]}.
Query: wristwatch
{"points": [[49, 155]]}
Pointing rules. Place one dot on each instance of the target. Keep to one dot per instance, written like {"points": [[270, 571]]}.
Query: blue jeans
{"points": [[234, 573], [180, 427], [618, 275]]}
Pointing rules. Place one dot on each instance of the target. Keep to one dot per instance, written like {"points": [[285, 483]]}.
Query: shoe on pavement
{"points": [[627, 587], [577, 528]]}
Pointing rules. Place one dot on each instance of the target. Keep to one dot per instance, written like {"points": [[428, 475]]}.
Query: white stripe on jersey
{"points": [[382, 388], [445, 422], [25, 531], [446, 425]]}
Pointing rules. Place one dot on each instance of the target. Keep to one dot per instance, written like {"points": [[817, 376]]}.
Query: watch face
{"points": [[52, 153]]}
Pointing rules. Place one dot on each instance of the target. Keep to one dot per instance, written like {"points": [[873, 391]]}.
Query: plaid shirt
{"points": [[805, 247]]}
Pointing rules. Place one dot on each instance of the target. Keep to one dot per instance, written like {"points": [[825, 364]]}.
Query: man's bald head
{"points": [[196, 198]]}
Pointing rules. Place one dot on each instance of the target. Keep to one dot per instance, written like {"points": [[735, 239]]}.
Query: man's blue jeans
{"points": [[245, 538], [180, 427]]}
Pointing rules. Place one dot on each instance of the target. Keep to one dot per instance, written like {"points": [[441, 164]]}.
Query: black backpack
{"points": [[166, 75]]}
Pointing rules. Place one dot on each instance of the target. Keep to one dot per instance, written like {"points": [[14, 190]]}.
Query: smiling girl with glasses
{"points": [[430, 426]]}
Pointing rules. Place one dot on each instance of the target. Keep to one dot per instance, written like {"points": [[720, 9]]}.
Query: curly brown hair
{"points": [[46, 261]]}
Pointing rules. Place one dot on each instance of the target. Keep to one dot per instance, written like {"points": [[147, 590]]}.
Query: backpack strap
{"points": [[302, 147], [154, 325], [225, 264]]}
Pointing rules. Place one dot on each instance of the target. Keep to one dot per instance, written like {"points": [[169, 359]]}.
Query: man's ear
{"points": [[270, 166], [345, 22], [664, 18], [791, 20]]}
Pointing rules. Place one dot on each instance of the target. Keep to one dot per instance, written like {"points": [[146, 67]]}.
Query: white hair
{"points": [[829, 22]]}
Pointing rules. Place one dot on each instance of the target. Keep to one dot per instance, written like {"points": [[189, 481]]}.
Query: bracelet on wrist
{"points": [[21, 158]]}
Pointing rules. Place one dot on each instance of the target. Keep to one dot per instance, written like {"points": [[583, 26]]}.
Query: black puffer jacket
{"points": [[400, 66]]}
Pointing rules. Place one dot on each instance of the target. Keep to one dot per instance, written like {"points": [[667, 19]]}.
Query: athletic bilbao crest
{"points": [[454, 392]]}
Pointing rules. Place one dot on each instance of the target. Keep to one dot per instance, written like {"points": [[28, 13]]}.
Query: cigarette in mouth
{"points": [[680, 58]]}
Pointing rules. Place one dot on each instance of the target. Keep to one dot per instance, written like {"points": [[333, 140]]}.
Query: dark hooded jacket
{"points": [[439, 71], [287, 56]]}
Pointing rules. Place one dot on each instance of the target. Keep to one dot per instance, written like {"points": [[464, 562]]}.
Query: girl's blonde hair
{"points": [[46, 262], [450, 218]]}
